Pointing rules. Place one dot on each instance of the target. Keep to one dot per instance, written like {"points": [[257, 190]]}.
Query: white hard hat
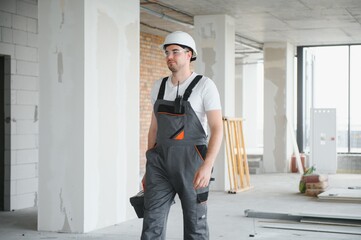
{"points": [[183, 39]]}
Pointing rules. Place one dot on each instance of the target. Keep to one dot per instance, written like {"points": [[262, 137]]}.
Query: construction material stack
{"points": [[312, 183], [315, 184]]}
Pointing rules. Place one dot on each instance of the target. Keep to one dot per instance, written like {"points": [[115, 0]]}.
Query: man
{"points": [[178, 158]]}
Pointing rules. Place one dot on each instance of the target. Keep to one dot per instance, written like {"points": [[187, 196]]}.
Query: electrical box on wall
{"points": [[323, 147]]}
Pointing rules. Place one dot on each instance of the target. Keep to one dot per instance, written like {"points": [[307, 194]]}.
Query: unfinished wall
{"points": [[215, 35], [18, 39], [89, 128]]}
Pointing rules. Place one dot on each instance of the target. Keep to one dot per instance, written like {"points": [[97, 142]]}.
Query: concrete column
{"points": [[89, 111], [278, 105], [215, 39]]}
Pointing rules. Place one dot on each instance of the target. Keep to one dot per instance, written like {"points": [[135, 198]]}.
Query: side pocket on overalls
{"points": [[202, 152], [148, 155], [151, 156], [202, 194], [202, 197]]}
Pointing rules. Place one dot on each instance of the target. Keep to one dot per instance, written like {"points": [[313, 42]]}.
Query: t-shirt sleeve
{"points": [[211, 99]]}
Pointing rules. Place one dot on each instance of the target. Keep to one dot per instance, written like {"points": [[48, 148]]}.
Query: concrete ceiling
{"points": [[300, 22]]}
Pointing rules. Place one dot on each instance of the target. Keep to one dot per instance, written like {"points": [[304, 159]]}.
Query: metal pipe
{"points": [[238, 38], [166, 17], [155, 28]]}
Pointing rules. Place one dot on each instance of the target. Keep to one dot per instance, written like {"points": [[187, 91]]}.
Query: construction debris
{"points": [[342, 194], [315, 184], [312, 183], [311, 229], [306, 217], [309, 222]]}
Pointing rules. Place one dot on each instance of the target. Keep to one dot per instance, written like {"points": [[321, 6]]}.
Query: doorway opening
{"points": [[5, 132]]}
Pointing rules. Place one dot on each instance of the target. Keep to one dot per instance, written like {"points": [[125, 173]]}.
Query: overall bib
{"points": [[180, 150]]}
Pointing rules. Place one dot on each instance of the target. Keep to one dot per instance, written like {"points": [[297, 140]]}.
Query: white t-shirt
{"points": [[204, 96]]}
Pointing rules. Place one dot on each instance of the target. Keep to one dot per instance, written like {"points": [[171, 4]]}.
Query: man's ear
{"points": [[190, 55]]}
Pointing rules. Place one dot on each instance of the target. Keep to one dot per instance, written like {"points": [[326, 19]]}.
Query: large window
{"points": [[332, 79], [355, 98]]}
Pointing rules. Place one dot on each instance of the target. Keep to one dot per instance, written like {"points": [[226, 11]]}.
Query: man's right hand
{"points": [[143, 182]]}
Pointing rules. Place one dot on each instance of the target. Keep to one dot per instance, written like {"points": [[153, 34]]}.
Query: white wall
{"points": [[251, 114], [215, 37], [61, 128], [239, 88], [111, 110], [18, 39], [89, 128]]}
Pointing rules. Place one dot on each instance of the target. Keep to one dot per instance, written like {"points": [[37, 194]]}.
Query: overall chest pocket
{"points": [[171, 124]]}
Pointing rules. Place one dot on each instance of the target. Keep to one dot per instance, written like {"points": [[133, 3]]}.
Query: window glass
{"points": [[330, 88], [355, 98]]}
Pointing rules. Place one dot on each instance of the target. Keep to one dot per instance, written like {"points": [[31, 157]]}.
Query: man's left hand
{"points": [[202, 176]]}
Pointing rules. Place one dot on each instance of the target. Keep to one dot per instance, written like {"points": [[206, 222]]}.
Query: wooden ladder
{"points": [[238, 170]]}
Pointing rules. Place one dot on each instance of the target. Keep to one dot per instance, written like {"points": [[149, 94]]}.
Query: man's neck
{"points": [[180, 77]]}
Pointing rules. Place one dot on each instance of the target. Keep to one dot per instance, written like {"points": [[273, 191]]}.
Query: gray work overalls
{"points": [[181, 146]]}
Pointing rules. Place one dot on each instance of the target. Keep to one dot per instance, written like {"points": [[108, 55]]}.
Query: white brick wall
{"points": [[26, 53], [29, 185], [24, 200], [13, 66], [6, 35], [32, 39], [27, 68], [21, 82], [24, 171], [27, 156], [8, 6], [27, 127], [7, 49], [19, 39], [20, 142], [5, 19], [27, 97], [19, 22], [32, 25], [27, 9]]}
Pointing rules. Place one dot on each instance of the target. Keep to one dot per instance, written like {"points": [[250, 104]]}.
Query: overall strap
{"points": [[187, 92], [189, 89], [162, 88]]}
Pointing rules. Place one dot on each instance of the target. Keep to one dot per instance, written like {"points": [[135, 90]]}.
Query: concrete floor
{"points": [[270, 193]]}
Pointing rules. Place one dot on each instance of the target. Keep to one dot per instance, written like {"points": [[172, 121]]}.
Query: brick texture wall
{"points": [[18, 40], [152, 68]]}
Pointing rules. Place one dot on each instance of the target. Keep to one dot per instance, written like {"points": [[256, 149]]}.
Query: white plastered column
{"points": [[278, 106], [89, 113], [215, 39]]}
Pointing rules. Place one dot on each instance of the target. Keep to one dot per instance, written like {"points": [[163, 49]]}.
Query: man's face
{"points": [[177, 57]]}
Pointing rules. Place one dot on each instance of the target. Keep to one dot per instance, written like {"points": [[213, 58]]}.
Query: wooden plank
{"points": [[228, 152], [245, 161], [236, 155]]}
